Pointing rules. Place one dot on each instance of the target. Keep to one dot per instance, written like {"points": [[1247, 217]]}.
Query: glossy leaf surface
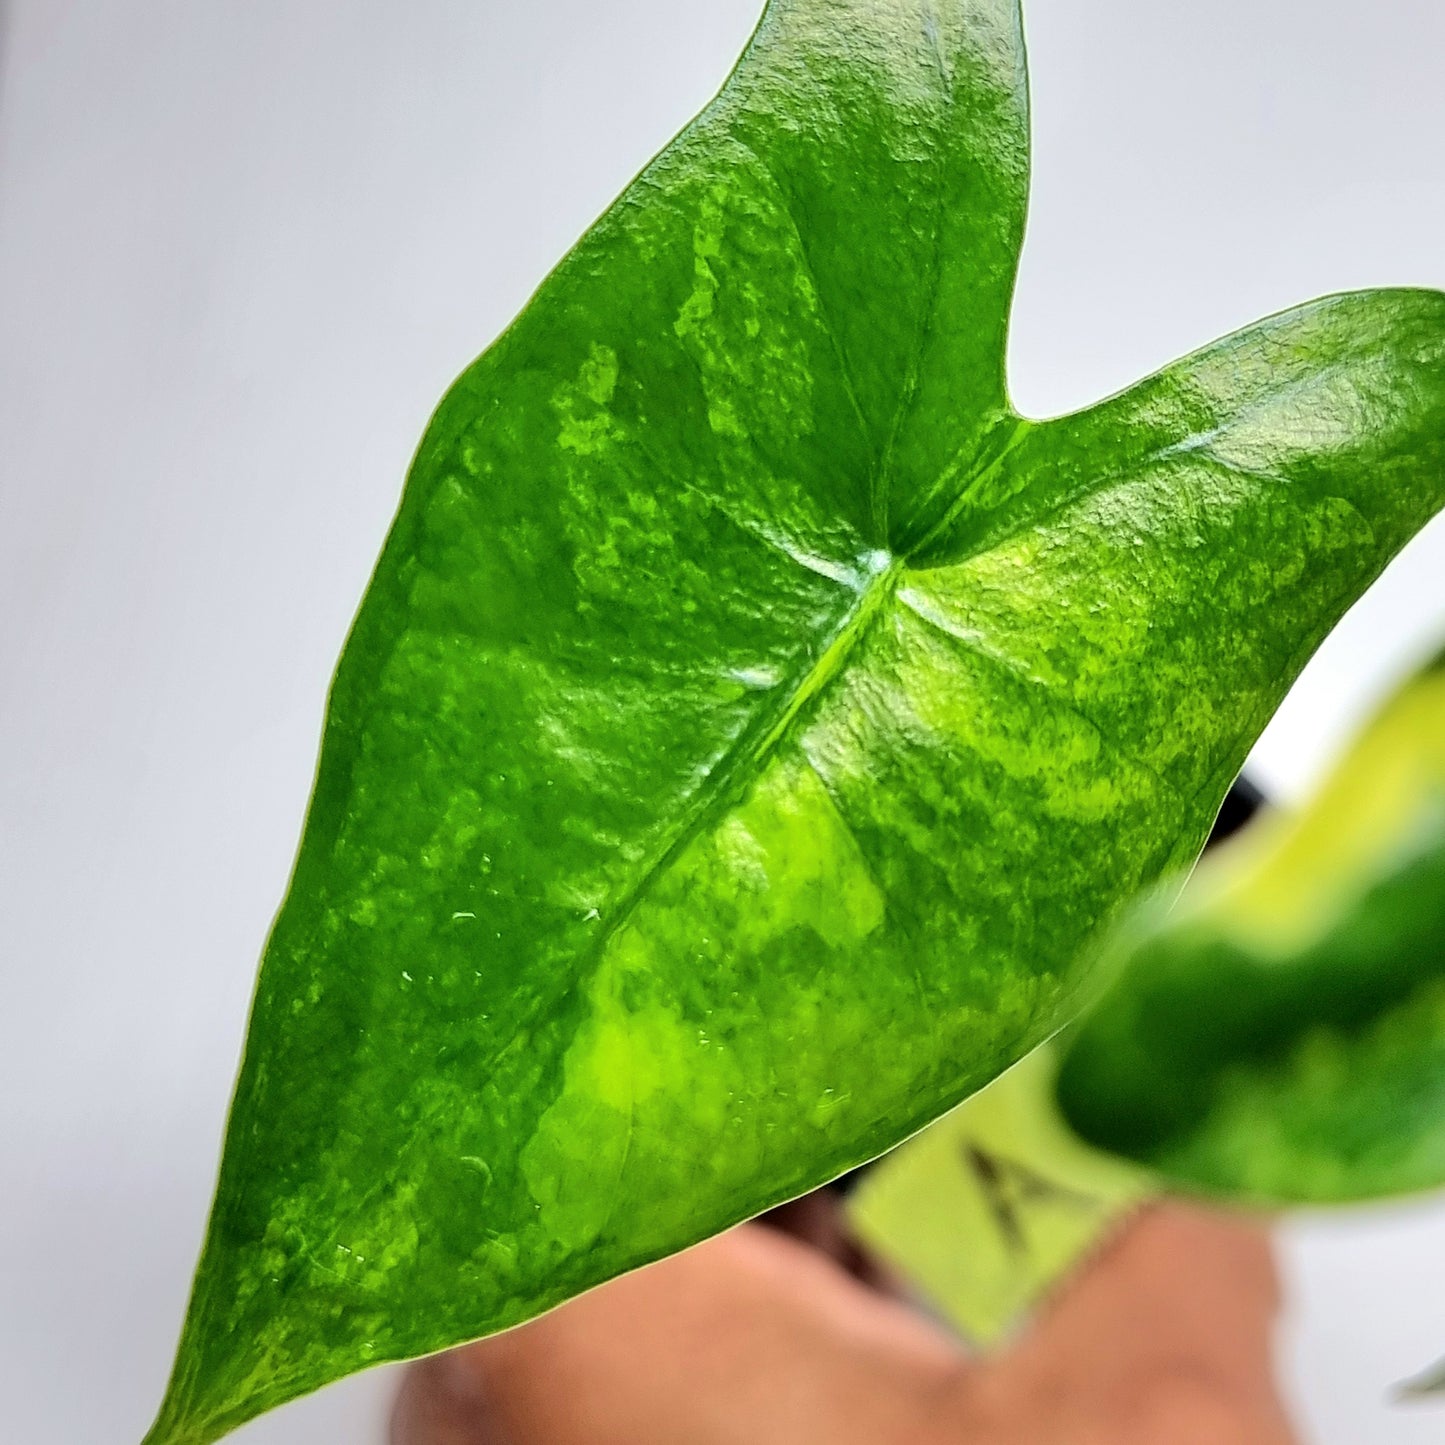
{"points": [[751, 716], [1280, 1036]]}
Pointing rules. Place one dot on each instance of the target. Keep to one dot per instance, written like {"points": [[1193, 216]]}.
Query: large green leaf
{"points": [[1280, 1035], [751, 715]]}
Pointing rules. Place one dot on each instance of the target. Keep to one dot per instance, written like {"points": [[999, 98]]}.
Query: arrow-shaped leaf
{"points": [[751, 716], [1280, 1037]]}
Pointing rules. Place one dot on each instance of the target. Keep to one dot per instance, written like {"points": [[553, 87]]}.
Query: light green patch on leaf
{"points": [[987, 1210], [752, 717], [1280, 1036]]}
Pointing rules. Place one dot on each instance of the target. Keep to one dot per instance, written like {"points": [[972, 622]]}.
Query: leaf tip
{"points": [[175, 1424]]}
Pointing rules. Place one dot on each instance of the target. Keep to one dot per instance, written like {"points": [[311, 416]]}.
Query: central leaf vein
{"points": [[875, 584]]}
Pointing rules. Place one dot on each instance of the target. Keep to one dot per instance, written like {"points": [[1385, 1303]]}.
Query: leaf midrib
{"points": [[745, 757], [743, 760]]}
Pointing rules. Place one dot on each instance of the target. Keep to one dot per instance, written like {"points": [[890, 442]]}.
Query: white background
{"points": [[244, 245]]}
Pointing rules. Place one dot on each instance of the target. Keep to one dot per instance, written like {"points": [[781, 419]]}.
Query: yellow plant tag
{"points": [[985, 1211]]}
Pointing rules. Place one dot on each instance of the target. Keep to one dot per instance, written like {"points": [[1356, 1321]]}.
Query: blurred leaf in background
{"points": [[1279, 1036], [1428, 1384]]}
